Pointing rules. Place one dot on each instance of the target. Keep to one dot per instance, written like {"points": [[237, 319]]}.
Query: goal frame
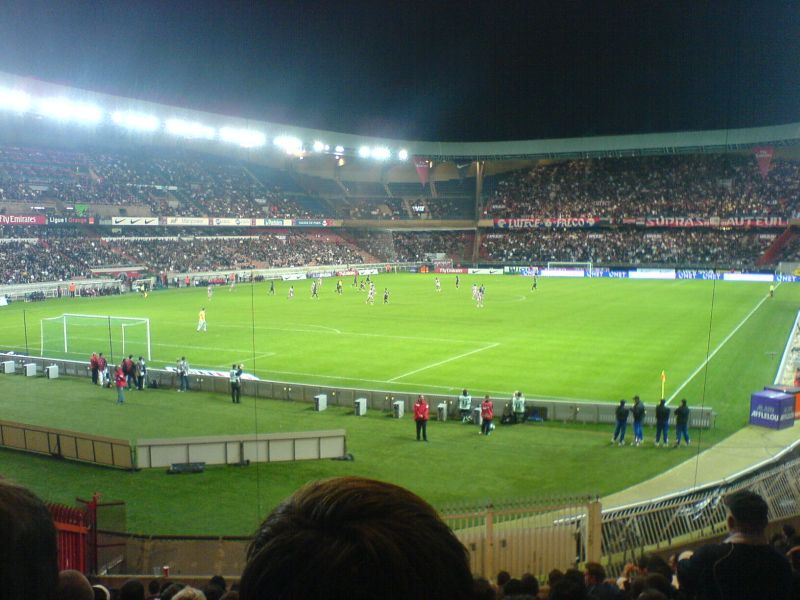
{"points": [[125, 322]]}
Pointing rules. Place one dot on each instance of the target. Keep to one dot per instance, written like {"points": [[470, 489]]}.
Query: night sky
{"points": [[435, 70]]}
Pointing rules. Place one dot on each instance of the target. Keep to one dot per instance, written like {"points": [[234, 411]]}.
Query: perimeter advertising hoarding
{"points": [[547, 223], [133, 221], [772, 409], [23, 220], [735, 222], [233, 222], [70, 220], [188, 221], [451, 270]]}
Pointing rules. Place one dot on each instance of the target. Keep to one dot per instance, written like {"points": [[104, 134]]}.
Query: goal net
{"points": [[77, 336]]}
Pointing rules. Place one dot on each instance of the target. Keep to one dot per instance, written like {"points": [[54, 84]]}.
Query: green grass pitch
{"points": [[577, 339]]}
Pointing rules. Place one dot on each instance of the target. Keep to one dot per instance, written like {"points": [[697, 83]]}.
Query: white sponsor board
{"points": [[293, 276], [652, 274], [485, 271], [764, 277], [194, 221], [562, 272]]}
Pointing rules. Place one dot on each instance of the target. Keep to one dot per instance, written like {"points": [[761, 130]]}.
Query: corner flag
{"points": [[663, 381]]}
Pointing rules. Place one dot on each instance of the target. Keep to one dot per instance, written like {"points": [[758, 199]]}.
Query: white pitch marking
{"points": [[717, 349], [441, 362]]}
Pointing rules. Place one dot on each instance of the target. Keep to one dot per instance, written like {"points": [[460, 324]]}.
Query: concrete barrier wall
{"points": [[236, 449], [382, 400], [71, 445]]}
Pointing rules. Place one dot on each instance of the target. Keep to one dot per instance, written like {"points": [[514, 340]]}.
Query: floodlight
{"points": [[381, 153], [403, 154], [246, 138], [339, 149], [15, 100], [190, 129], [319, 146], [135, 121], [288, 143], [64, 109], [364, 152]]}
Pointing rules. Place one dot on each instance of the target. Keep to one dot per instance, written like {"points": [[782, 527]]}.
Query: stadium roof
{"points": [[22, 98]]}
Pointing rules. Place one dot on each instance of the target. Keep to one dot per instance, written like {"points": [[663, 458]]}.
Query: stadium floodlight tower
{"points": [[79, 335]]}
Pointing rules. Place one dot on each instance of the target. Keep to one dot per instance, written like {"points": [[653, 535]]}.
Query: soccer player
{"points": [[210, 292], [339, 287], [314, 293], [271, 287], [371, 295], [479, 298], [535, 283], [474, 291], [291, 292], [518, 407], [465, 406], [355, 280], [458, 281], [233, 282], [362, 286], [386, 295], [771, 291], [201, 320], [438, 285]]}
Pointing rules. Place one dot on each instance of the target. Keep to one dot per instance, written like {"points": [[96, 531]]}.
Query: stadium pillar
{"points": [[594, 531]]}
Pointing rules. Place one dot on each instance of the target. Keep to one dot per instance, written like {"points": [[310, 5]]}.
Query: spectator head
{"points": [[593, 573], [567, 589], [574, 575], [219, 580], [747, 512], [465, 393], [189, 593], [154, 587], [133, 589], [73, 585], [483, 590], [28, 548], [530, 585], [101, 592], [212, 591], [554, 576], [622, 402], [503, 577], [346, 538], [168, 592]]}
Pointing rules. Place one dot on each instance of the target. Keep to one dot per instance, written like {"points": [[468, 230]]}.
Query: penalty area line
{"points": [[442, 362], [717, 349]]}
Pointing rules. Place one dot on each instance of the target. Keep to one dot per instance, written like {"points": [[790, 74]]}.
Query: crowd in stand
{"points": [[734, 249], [167, 183], [415, 246], [690, 186], [354, 538], [56, 258]]}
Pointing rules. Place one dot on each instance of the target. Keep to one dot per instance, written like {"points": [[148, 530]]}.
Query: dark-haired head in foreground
{"points": [[351, 538], [28, 548]]}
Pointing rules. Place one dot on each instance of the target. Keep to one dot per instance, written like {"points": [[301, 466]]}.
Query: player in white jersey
{"points": [[479, 298], [210, 292], [291, 292], [438, 285], [474, 291], [371, 295]]}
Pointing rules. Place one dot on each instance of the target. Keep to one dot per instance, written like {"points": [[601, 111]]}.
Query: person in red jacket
{"points": [[120, 380], [93, 366], [421, 412], [487, 414]]}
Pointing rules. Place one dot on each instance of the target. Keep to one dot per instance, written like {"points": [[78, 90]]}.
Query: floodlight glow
{"points": [[246, 138], [403, 154], [190, 129], [319, 146], [339, 149], [381, 153], [15, 100], [364, 152], [288, 143], [135, 121], [64, 109]]}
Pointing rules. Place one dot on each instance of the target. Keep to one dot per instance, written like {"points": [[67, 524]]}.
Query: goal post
{"points": [[72, 335]]}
